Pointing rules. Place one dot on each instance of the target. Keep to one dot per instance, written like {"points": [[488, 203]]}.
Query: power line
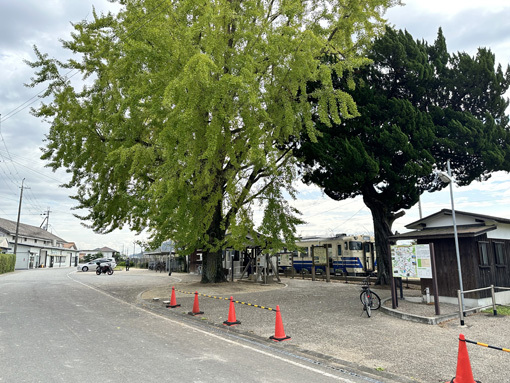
{"points": [[23, 106], [347, 220], [9, 165], [70, 74]]}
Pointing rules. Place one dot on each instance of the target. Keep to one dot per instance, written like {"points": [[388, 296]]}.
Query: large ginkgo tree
{"points": [[179, 123]]}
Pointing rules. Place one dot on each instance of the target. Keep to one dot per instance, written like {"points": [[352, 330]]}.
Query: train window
{"points": [[355, 245], [367, 247], [339, 250]]}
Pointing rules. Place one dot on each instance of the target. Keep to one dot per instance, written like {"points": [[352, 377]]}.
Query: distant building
{"points": [[36, 247], [4, 245], [105, 251]]}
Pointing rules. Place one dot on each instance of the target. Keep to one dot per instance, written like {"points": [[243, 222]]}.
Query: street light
{"points": [[447, 178]]}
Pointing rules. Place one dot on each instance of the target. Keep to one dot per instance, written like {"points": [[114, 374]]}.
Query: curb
{"points": [[416, 318]]}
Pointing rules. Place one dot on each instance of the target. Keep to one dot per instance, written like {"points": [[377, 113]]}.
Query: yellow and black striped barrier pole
{"points": [[486, 345], [227, 299]]}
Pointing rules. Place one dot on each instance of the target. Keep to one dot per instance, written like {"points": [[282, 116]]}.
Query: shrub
{"points": [[7, 263]]}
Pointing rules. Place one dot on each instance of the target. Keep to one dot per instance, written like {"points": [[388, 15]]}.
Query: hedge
{"points": [[7, 263]]}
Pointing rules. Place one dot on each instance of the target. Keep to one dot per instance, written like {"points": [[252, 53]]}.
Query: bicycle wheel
{"points": [[365, 299], [376, 301], [361, 296]]}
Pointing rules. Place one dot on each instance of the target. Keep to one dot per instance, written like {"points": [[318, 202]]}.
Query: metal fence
{"points": [[461, 295]]}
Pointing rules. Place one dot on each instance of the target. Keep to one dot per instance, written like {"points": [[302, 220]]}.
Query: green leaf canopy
{"points": [[186, 104]]}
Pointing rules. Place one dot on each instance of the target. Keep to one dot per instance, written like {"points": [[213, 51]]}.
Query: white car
{"points": [[93, 264]]}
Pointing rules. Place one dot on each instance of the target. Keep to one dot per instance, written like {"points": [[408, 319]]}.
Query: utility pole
{"points": [[17, 223], [46, 219]]}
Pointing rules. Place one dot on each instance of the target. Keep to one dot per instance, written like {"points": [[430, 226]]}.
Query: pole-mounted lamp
{"points": [[447, 178]]}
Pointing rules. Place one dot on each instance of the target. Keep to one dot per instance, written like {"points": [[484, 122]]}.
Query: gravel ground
{"points": [[327, 319]]}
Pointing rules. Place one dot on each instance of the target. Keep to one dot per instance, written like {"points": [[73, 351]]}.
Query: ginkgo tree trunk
{"points": [[179, 124]]}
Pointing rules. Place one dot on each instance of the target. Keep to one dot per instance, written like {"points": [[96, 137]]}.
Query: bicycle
{"points": [[370, 300]]}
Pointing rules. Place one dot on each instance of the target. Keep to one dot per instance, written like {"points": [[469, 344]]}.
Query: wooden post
{"points": [[293, 271], [394, 303], [434, 278], [313, 262], [328, 278]]}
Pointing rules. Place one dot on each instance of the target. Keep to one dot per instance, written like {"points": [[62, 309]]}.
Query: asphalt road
{"points": [[57, 327]]}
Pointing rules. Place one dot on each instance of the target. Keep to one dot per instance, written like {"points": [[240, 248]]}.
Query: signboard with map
{"points": [[411, 261], [321, 255]]}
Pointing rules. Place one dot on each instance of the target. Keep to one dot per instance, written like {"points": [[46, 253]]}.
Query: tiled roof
{"points": [[9, 227], [106, 249], [448, 212]]}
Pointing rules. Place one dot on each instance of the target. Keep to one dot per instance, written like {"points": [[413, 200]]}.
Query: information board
{"points": [[320, 254], [285, 259], [411, 261]]}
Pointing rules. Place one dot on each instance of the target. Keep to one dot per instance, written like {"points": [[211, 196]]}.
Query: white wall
{"points": [[502, 232], [447, 220]]}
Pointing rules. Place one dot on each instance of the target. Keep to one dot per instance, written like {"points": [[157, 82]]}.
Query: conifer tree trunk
{"points": [[383, 220]]}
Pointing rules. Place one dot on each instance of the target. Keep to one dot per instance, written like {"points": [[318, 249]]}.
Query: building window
{"points": [[483, 250], [499, 253]]}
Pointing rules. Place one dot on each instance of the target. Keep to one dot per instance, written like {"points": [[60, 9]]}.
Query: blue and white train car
{"points": [[347, 254]]}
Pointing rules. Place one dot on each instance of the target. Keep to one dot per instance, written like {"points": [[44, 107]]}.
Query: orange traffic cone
{"points": [[173, 301], [196, 310], [279, 332], [464, 373], [231, 321]]}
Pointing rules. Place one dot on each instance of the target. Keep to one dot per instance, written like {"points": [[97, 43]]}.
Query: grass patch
{"points": [[502, 310]]}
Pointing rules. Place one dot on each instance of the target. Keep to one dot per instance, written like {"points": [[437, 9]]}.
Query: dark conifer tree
{"points": [[419, 106]]}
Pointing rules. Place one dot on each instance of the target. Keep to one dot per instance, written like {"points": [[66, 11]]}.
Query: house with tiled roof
{"points": [[36, 247], [105, 252]]}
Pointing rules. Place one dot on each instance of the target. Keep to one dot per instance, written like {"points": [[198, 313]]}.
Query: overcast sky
{"points": [[467, 25]]}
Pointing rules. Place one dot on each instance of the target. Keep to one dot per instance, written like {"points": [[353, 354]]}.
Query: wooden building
{"points": [[484, 252]]}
